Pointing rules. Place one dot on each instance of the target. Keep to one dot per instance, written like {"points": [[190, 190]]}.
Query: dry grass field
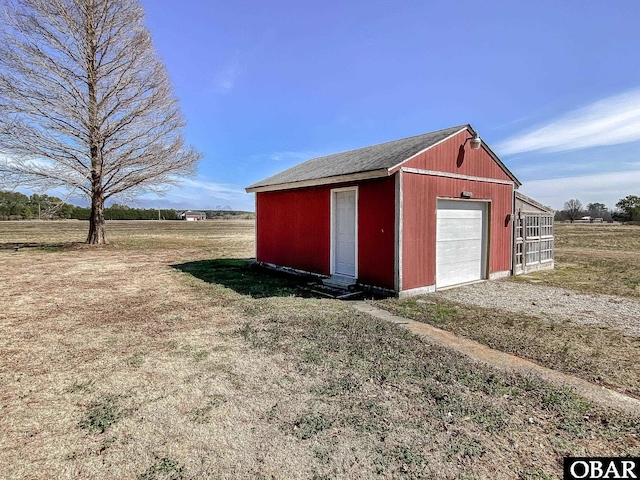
{"points": [[594, 258], [603, 356], [164, 355]]}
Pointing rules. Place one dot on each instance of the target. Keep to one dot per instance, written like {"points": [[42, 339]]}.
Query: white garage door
{"points": [[460, 242]]}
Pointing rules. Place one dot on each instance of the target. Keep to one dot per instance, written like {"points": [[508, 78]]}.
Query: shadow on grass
{"points": [[245, 277], [41, 246]]}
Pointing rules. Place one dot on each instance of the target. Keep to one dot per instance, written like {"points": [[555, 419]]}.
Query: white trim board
{"points": [[513, 230], [499, 275], [255, 225], [352, 177], [398, 233], [436, 173], [412, 292], [534, 267]]}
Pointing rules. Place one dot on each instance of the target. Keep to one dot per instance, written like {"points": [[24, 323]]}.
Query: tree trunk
{"points": [[96, 221]]}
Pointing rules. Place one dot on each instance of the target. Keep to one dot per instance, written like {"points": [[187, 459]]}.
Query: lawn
{"points": [[601, 355], [594, 258], [165, 355], [590, 258]]}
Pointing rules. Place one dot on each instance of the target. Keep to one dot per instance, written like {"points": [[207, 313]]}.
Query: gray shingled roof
{"points": [[533, 202], [375, 157]]}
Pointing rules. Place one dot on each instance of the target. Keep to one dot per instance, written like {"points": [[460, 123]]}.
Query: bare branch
{"points": [[86, 103]]}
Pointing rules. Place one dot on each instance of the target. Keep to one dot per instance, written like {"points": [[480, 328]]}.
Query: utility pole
{"points": [[38, 211], [158, 214]]}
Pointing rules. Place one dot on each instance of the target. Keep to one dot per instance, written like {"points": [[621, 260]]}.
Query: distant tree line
{"points": [[228, 214], [124, 212], [17, 206], [626, 210]]}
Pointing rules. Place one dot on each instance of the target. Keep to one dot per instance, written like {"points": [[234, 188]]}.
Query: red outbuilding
{"points": [[409, 216]]}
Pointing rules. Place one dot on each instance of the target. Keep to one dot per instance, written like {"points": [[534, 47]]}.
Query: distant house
{"points": [[589, 219], [410, 216], [190, 216]]}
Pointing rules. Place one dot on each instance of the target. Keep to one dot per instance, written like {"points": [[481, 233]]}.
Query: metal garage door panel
{"points": [[460, 242]]}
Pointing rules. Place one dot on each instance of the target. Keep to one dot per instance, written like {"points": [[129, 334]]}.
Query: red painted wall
{"points": [[419, 206], [449, 156], [376, 232], [419, 224], [293, 226], [293, 229]]}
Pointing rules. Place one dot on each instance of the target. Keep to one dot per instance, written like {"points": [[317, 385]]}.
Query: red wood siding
{"points": [[449, 156], [376, 232], [293, 229], [419, 223]]}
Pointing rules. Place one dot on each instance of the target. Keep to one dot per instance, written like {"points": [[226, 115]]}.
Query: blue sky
{"points": [[552, 86]]}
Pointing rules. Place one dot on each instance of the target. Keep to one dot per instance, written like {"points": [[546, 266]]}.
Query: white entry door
{"points": [[460, 242], [344, 232]]}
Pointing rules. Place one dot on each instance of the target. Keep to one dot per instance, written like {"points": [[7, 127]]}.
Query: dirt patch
{"points": [[552, 304]]}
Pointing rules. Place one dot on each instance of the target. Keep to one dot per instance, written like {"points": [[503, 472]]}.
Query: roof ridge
{"points": [[466, 125], [370, 161]]}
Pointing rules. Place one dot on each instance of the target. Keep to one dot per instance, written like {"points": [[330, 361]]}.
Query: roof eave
{"points": [[502, 165], [534, 203], [316, 182]]}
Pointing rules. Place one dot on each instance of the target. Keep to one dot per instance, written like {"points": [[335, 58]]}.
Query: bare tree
{"points": [[573, 208], [86, 104]]}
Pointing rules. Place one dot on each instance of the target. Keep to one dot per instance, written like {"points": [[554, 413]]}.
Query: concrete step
{"points": [[339, 281]]}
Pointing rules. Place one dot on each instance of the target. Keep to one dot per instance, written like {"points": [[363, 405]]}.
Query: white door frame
{"points": [[486, 233], [332, 269]]}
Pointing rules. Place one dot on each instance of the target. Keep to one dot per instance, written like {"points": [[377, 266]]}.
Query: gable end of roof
{"points": [[533, 203], [374, 161]]}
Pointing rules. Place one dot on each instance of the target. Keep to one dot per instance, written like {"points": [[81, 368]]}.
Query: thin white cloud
{"points": [[217, 190], [611, 121], [607, 188], [565, 168], [200, 193], [226, 79]]}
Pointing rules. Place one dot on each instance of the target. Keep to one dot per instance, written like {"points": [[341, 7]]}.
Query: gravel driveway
{"points": [[551, 303]]}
